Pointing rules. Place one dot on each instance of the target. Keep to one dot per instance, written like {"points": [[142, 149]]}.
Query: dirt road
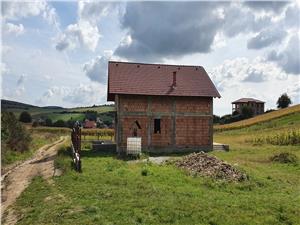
{"points": [[15, 181]]}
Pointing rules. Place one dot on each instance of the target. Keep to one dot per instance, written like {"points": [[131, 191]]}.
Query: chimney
{"points": [[174, 79]]}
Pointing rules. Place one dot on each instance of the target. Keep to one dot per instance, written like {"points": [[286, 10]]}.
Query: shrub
{"points": [[59, 123], [35, 124], [246, 112], [48, 122], [144, 172], [14, 135], [25, 117], [284, 157]]}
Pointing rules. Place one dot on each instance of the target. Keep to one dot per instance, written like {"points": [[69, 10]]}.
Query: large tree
{"points": [[283, 101], [246, 112], [25, 117]]}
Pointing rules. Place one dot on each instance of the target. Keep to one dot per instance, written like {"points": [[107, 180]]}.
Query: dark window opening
{"points": [[134, 132], [157, 126], [137, 124]]}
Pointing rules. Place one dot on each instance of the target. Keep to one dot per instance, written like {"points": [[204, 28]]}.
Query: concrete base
{"points": [[220, 147], [104, 146], [159, 150]]}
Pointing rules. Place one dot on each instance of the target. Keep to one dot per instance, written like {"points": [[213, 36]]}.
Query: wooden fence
{"points": [[76, 146]]}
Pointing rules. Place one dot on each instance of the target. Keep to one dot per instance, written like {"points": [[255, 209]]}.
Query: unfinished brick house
{"points": [[169, 106], [257, 106]]}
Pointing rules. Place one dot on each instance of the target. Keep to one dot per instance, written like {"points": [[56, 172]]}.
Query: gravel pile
{"points": [[206, 165]]}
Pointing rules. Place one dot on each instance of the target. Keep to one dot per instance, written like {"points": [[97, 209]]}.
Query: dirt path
{"points": [[15, 181]]}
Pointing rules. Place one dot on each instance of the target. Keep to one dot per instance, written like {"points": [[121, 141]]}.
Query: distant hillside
{"points": [[105, 112], [259, 119], [7, 104]]}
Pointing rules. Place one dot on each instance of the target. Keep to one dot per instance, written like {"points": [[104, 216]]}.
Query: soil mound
{"points": [[206, 165]]}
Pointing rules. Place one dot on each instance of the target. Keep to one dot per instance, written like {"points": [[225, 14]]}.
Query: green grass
{"points": [[62, 116], [112, 191]]}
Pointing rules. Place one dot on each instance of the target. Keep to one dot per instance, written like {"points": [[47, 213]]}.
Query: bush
{"points": [[284, 157], [35, 124], [25, 117], [48, 122], [59, 123], [14, 135], [216, 119], [144, 172]]}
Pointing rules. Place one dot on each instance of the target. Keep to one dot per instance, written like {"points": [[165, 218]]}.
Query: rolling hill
{"points": [[259, 119], [55, 113]]}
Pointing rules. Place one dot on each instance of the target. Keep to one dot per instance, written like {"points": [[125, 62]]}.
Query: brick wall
{"points": [[133, 103], [193, 104], [164, 138], [161, 104], [128, 123], [192, 129]]}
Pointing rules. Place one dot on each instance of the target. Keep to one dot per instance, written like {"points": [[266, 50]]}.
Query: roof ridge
{"points": [[155, 64]]}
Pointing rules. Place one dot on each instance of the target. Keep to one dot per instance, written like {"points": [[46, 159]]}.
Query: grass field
{"points": [[258, 119], [112, 191]]}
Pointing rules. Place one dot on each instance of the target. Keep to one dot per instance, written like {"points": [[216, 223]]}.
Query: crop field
{"points": [[114, 191], [259, 119]]}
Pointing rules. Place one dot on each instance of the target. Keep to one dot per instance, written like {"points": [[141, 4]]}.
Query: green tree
{"points": [[14, 135], [59, 123], [48, 122], [25, 117], [246, 112], [283, 101]]}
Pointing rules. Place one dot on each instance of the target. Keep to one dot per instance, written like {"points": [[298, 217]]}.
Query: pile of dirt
{"points": [[206, 165], [284, 157]]}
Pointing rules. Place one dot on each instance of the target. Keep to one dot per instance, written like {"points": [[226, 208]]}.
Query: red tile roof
{"points": [[245, 100], [157, 79]]}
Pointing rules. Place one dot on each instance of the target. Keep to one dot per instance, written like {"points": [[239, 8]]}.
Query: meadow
{"points": [[114, 191]]}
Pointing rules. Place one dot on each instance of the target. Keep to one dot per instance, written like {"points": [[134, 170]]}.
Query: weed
{"points": [[284, 157]]}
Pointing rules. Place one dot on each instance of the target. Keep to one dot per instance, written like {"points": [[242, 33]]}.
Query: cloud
{"points": [[292, 16], [85, 32], [266, 38], [16, 10], [164, 29], [240, 70], [294, 92], [289, 57], [4, 69], [96, 69], [83, 94], [10, 28], [274, 6]]}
